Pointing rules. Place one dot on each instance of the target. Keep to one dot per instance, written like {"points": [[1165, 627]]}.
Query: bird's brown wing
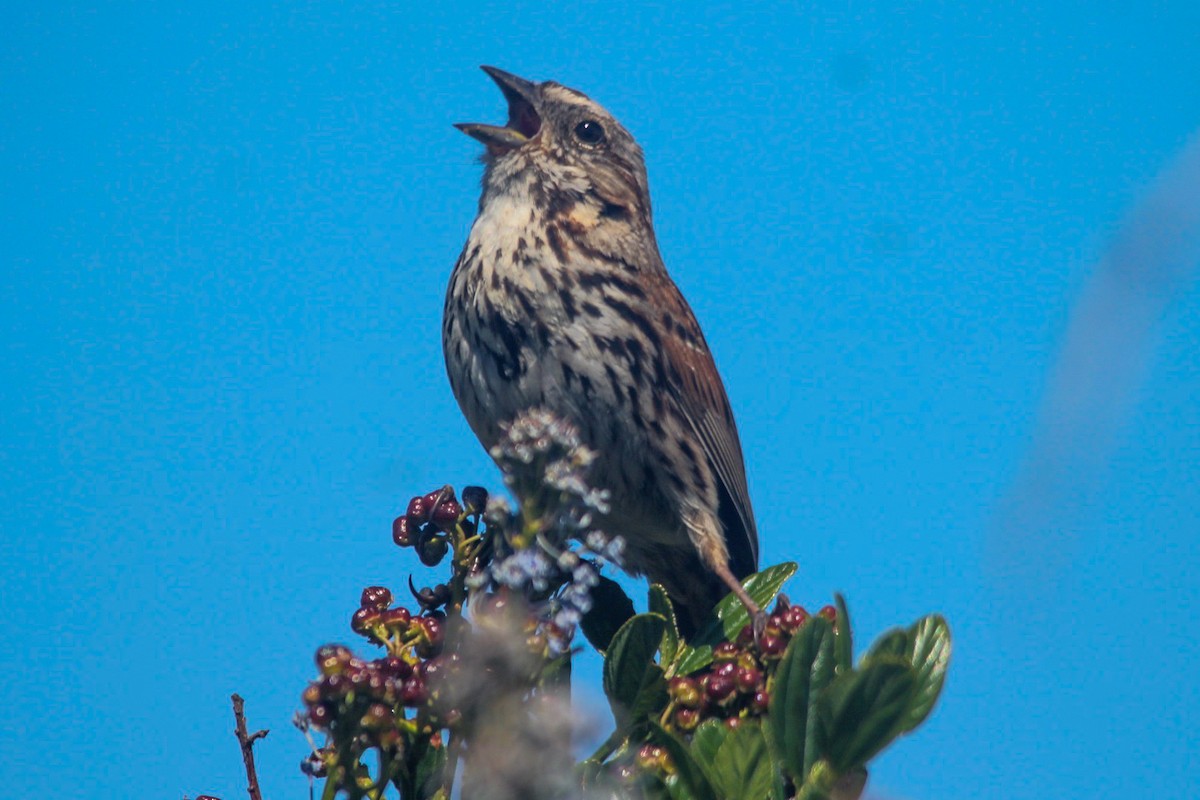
{"points": [[695, 385]]}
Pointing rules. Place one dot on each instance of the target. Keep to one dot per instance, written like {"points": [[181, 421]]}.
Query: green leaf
{"points": [[742, 768], [689, 773], [862, 712], [844, 641], [635, 685], [611, 608], [707, 739], [730, 616], [929, 654], [893, 644], [806, 668], [692, 659], [660, 604], [428, 777]]}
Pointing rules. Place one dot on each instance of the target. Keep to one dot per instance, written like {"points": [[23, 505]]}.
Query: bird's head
{"points": [[565, 143]]}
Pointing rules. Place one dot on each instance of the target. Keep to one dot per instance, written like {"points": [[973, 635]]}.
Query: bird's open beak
{"points": [[523, 119]]}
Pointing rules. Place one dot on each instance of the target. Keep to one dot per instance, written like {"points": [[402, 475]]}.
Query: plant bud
{"points": [[432, 551], [474, 499]]}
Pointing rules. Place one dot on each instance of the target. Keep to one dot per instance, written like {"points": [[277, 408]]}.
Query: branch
{"points": [[246, 740]]}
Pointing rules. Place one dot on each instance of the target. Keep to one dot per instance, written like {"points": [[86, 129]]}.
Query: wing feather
{"points": [[695, 387]]}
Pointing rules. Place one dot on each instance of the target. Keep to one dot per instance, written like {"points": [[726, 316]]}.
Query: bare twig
{"points": [[247, 740]]}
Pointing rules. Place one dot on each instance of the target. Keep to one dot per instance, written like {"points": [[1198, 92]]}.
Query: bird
{"points": [[560, 301]]}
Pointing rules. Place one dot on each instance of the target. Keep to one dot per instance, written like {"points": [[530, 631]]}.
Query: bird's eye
{"points": [[589, 132]]}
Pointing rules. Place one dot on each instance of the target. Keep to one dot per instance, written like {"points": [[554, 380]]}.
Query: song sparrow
{"points": [[560, 300]]}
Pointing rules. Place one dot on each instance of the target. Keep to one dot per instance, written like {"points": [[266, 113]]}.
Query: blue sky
{"points": [[227, 230]]}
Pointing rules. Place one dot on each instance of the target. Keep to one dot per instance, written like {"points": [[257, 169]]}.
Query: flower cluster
{"points": [[545, 464], [541, 558]]}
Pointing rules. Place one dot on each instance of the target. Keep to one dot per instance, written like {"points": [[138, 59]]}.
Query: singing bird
{"points": [[560, 301]]}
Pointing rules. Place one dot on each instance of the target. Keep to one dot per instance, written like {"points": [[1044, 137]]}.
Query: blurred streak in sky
{"points": [[1094, 387]]}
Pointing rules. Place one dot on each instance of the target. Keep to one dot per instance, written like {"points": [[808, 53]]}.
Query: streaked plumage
{"points": [[560, 300]]}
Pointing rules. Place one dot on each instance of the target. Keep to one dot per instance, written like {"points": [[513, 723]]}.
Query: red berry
{"points": [[332, 658], [725, 670], [396, 618], [433, 671], [376, 597], [378, 716], [434, 625], [312, 695], [320, 716], [725, 651], [401, 533], [718, 687], [363, 620], [414, 693], [433, 643], [418, 511], [686, 719], [772, 646], [733, 723], [747, 680], [793, 618], [333, 687], [760, 703], [396, 667], [432, 499], [829, 613], [686, 692], [447, 514]]}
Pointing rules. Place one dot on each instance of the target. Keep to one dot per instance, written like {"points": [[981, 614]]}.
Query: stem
{"points": [[608, 747], [246, 741]]}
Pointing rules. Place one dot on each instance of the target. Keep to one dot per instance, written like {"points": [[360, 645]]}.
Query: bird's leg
{"points": [[758, 617]]}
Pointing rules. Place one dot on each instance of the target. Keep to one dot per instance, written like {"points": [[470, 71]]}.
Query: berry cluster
{"points": [[734, 686], [369, 695], [368, 701], [398, 628], [431, 519]]}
